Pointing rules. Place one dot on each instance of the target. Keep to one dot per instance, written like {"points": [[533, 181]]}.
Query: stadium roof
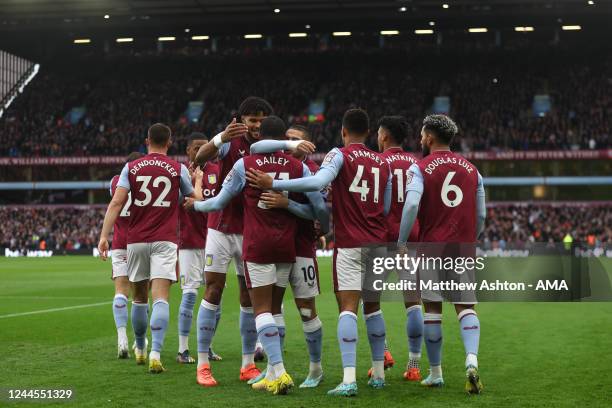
{"points": [[233, 15]]}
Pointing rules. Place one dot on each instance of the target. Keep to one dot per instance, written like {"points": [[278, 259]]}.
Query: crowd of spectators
{"points": [[507, 226], [491, 95], [48, 228], [515, 226]]}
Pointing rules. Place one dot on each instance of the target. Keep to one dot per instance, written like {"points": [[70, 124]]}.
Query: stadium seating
{"points": [[491, 101]]}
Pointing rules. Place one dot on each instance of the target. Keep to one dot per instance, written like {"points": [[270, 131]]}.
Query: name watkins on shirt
{"points": [[167, 166], [272, 160], [399, 156]]}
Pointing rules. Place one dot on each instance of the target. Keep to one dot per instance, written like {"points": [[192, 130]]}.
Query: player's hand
{"points": [[234, 130], [402, 249], [198, 173], [189, 203], [273, 199], [103, 248], [323, 242], [259, 179], [305, 147]]}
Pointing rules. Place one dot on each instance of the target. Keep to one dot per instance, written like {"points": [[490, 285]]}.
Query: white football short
{"points": [[351, 266], [152, 260], [221, 248], [119, 262], [191, 268], [257, 275], [304, 278]]}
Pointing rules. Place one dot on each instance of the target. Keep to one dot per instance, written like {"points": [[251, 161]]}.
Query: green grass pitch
{"points": [[531, 354]]}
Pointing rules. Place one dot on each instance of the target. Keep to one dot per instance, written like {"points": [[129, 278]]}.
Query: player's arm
{"points": [[219, 145], [481, 209], [232, 186], [186, 188], [411, 204], [388, 193], [327, 173], [112, 212], [271, 146]]}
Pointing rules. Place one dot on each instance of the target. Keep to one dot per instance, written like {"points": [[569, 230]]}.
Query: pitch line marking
{"points": [[57, 309]]}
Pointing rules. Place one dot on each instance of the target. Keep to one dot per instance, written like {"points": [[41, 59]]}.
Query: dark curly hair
{"points": [[443, 127]]}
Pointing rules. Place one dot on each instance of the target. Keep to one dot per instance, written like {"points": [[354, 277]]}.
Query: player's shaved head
{"points": [[396, 126], [441, 127], [159, 135], [356, 122], [134, 156], [273, 127], [254, 105], [196, 136]]}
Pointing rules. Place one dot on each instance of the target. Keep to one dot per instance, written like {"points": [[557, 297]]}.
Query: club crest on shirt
{"points": [[209, 259], [212, 179], [328, 158]]}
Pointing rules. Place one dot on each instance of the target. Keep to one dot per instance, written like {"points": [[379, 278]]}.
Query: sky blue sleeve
{"points": [[301, 210], [268, 146], [223, 150], [124, 181], [327, 173], [388, 193], [186, 187], [411, 203], [481, 208], [232, 186], [416, 183]]}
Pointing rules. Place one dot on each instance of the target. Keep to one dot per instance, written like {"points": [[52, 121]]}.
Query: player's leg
{"points": [[120, 301], [139, 274], [470, 334], [261, 279], [160, 316], [313, 333], [376, 330], [432, 333], [163, 274], [304, 279], [414, 332], [191, 267], [347, 285], [217, 259], [248, 329]]}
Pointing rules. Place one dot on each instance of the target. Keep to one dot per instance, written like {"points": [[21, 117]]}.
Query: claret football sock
{"points": [[347, 339], [206, 328]]}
